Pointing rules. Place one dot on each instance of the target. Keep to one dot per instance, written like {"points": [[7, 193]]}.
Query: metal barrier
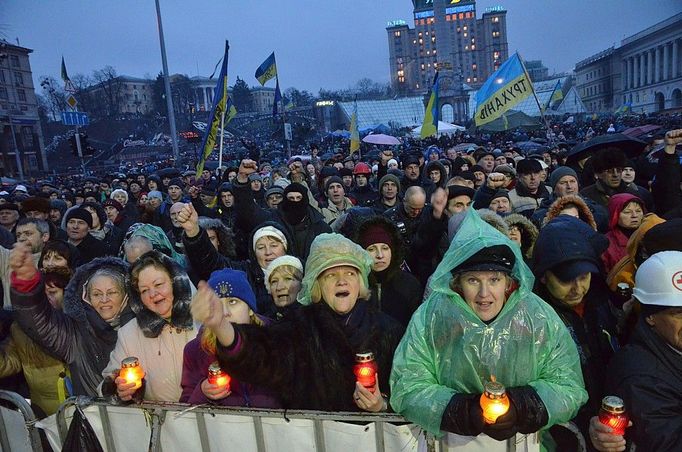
{"points": [[18, 434]]}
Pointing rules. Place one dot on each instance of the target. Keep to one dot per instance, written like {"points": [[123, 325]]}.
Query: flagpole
{"points": [[222, 133], [166, 84], [532, 90]]}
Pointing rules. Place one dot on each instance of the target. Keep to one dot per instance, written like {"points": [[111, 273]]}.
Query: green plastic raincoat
{"points": [[447, 349]]}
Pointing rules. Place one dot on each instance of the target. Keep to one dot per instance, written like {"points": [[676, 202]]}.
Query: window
{"points": [[2, 76], [496, 20], [396, 34], [3, 94], [14, 59], [18, 79], [27, 137], [496, 34], [22, 95]]}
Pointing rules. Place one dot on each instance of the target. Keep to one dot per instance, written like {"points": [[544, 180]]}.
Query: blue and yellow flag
{"points": [[267, 70], [222, 106], [508, 86], [557, 94], [354, 132], [432, 113]]}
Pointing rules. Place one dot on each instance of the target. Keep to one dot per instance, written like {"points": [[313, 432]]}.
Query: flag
{"points": [[65, 75], [222, 105], [557, 94], [278, 99], [432, 113], [267, 70], [354, 133], [508, 86]]}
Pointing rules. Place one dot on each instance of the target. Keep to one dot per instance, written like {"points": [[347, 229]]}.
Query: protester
{"points": [[283, 278], [626, 212]]}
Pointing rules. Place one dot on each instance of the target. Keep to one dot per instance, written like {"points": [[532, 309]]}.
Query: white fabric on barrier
{"points": [[17, 434], [483, 443]]}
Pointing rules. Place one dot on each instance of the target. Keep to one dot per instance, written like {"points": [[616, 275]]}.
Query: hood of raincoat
{"points": [[447, 349]]}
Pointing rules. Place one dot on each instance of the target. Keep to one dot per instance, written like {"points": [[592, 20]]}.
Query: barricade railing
{"points": [[18, 432]]}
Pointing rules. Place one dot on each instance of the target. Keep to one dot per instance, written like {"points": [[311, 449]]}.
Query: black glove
{"points": [[463, 415], [530, 410], [506, 425]]}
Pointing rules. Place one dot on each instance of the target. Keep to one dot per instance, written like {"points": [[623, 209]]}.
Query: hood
{"points": [[529, 233], [398, 247], [74, 306], [225, 235], [473, 235], [150, 323], [159, 239], [495, 220], [439, 166], [560, 204], [616, 205]]}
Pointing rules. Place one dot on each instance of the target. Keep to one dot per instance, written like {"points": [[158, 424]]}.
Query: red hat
{"points": [[376, 234]]}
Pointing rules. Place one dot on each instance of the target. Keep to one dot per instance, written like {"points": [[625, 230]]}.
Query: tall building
{"points": [[19, 121], [446, 36]]}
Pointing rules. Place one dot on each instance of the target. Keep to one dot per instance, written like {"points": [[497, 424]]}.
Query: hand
{"points": [[672, 139], [214, 392], [206, 307], [368, 400], [189, 220], [193, 191], [603, 439], [21, 262], [439, 201], [496, 180], [124, 390], [505, 425], [246, 168]]}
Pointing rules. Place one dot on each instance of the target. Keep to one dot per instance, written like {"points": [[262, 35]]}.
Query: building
{"points": [[536, 70], [262, 99], [643, 74], [203, 88], [19, 121], [119, 95], [450, 38]]}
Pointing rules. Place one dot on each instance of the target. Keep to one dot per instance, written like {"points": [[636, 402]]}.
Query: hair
{"points": [[146, 260], [120, 191], [41, 225], [208, 337], [58, 277], [136, 242], [226, 238], [61, 248], [316, 290], [286, 270], [120, 279]]}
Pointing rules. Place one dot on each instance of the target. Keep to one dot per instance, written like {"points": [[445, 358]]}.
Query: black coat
{"points": [[647, 375], [78, 335], [90, 248], [364, 196], [308, 359]]}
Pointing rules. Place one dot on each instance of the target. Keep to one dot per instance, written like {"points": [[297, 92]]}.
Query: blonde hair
{"points": [[316, 291], [208, 338], [286, 270]]}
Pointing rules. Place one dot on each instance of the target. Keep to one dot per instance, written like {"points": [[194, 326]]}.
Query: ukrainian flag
{"points": [[432, 113], [267, 70], [354, 133], [557, 94], [222, 112], [508, 86]]}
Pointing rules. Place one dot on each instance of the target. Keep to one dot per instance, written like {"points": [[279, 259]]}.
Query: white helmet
{"points": [[659, 280]]}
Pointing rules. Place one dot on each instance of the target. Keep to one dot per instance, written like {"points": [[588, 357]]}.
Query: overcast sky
{"points": [[318, 43]]}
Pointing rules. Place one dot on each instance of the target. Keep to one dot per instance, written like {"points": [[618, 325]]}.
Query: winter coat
{"points": [[528, 232], [524, 202], [584, 211], [308, 359], [195, 369], [618, 237], [90, 248], [449, 350], [666, 186], [600, 193], [331, 213], [157, 343], [599, 214], [364, 196], [78, 335], [647, 375]]}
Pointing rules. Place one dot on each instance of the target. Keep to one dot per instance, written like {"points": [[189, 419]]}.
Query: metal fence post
{"points": [[29, 420]]}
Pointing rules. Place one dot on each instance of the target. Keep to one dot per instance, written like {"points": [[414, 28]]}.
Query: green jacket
{"points": [[447, 349]]}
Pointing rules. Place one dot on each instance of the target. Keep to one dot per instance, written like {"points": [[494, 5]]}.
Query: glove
{"points": [[506, 425], [463, 415], [531, 411]]}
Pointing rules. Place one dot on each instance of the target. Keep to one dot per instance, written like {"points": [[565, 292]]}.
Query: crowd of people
{"points": [[453, 266]]}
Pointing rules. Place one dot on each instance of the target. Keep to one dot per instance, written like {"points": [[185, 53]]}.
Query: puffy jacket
{"points": [[449, 350]]}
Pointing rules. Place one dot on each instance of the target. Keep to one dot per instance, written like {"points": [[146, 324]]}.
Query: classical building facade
{"points": [[19, 121], [262, 99], [643, 74]]}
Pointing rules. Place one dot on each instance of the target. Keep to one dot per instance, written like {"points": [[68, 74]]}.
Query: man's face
{"points": [[531, 181], [206, 199], [335, 193], [487, 162], [349, 164], [668, 325], [134, 188], [227, 198], [112, 212], [451, 154], [480, 178], [206, 174], [141, 179], [434, 175], [567, 185], [55, 216], [458, 204], [501, 160], [8, 217], [77, 229], [29, 235], [361, 180], [174, 193], [570, 293], [611, 177], [36, 214], [213, 237], [500, 205], [389, 190], [274, 199], [347, 181], [174, 211], [295, 196], [412, 171], [414, 205]]}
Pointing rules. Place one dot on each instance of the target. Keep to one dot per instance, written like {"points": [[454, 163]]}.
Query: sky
{"points": [[318, 43]]}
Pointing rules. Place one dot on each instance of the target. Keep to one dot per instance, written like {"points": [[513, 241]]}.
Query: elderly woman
{"points": [[283, 280], [626, 212], [308, 360], [161, 295], [238, 306], [481, 322], [82, 335]]}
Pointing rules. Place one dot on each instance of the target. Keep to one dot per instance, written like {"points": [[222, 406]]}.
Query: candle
{"points": [[131, 371], [494, 401], [613, 414], [365, 370], [217, 377]]}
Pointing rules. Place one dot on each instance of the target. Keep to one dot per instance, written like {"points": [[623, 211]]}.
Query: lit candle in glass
{"points": [[131, 371], [613, 414], [365, 370], [217, 377], [494, 401]]}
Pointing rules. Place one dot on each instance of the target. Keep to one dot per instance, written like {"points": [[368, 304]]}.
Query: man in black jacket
{"points": [[78, 225]]}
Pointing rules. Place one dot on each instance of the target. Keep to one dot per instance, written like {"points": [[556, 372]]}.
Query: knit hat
{"points": [[255, 176], [528, 166], [274, 190], [345, 172], [36, 203], [228, 283], [292, 261], [332, 180], [501, 193], [80, 214], [281, 182], [121, 192], [269, 231], [59, 205], [20, 188], [392, 162], [328, 171], [375, 234], [113, 203], [295, 187], [155, 194], [505, 169], [664, 237], [410, 160], [560, 172], [389, 177], [176, 181], [328, 251]]}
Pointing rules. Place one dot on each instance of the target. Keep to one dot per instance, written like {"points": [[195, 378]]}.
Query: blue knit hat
{"points": [[229, 283]]}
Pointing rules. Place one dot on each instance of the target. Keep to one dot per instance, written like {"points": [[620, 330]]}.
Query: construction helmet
{"points": [[658, 280], [362, 168]]}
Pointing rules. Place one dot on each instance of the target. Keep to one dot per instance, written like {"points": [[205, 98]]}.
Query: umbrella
{"points": [[380, 138], [341, 133], [631, 146], [529, 146], [640, 130], [464, 147], [168, 172]]}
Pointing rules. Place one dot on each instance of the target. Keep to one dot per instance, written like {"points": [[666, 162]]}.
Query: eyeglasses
{"points": [[100, 297]]}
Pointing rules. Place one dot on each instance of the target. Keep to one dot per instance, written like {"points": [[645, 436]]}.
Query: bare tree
{"points": [[53, 98], [109, 90]]}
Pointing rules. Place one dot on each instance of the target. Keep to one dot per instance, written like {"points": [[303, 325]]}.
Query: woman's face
{"points": [[284, 287], [631, 216], [310, 168], [143, 200], [152, 185], [121, 198], [256, 185], [484, 292], [156, 291], [236, 311], [55, 296], [105, 296], [267, 250], [381, 256], [515, 234], [54, 260], [340, 288]]}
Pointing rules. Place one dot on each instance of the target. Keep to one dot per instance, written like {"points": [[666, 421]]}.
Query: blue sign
{"points": [[75, 118]]}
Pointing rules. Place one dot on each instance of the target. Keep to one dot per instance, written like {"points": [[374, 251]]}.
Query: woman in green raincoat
{"points": [[481, 322]]}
